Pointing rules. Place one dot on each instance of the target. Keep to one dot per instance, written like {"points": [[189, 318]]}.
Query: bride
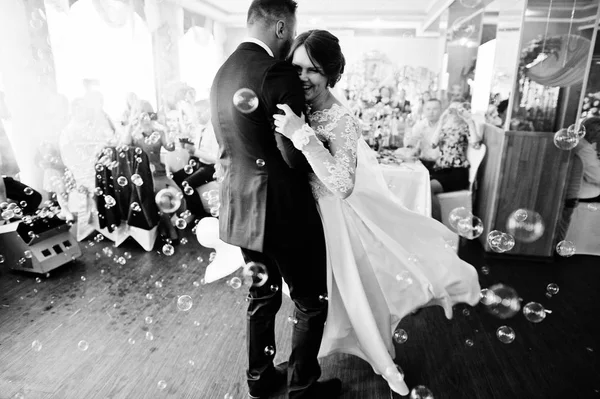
{"points": [[384, 261]]}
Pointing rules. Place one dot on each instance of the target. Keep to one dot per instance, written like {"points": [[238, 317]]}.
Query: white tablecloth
{"points": [[410, 183]]}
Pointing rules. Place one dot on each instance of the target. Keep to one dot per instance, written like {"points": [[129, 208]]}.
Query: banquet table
{"points": [[409, 181]]}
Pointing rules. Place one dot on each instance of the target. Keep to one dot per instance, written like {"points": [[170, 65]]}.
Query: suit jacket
{"points": [[265, 195]]}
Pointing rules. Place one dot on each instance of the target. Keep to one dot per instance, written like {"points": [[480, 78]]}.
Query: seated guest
{"points": [[590, 185], [502, 110], [205, 150], [15, 191], [492, 116], [454, 133], [402, 103], [422, 132]]}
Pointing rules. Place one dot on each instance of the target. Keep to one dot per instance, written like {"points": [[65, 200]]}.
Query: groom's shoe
{"points": [[328, 389], [278, 382]]}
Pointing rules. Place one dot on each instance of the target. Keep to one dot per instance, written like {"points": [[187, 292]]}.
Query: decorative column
{"points": [[465, 19], [165, 21]]}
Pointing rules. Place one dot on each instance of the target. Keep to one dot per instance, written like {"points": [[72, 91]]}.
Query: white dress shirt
{"points": [[260, 43], [420, 136], [590, 186], [206, 141]]}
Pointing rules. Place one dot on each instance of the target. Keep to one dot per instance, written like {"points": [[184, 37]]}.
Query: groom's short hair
{"points": [[270, 11]]}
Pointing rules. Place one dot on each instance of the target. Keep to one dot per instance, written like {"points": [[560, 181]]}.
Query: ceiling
{"points": [[417, 15], [420, 17]]}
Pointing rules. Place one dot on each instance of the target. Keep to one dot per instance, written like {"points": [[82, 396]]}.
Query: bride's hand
{"points": [[288, 123]]}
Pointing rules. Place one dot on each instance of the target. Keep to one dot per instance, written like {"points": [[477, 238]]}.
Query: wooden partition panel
{"points": [[524, 170]]}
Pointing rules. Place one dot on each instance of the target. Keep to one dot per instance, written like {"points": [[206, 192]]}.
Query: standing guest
{"points": [[455, 131], [422, 132], [590, 185], [205, 151]]}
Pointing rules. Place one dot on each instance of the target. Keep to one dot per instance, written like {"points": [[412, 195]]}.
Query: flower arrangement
{"points": [[591, 105]]}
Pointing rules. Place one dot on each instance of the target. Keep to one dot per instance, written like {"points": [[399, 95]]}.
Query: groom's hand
{"points": [[289, 122]]}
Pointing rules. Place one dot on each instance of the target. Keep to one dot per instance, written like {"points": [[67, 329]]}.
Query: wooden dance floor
{"points": [[200, 353]]}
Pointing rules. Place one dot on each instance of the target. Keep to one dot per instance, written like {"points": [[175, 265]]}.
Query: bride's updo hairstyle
{"points": [[324, 51]]}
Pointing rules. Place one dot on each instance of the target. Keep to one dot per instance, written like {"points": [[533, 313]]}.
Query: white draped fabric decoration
{"points": [[117, 54], [565, 69]]}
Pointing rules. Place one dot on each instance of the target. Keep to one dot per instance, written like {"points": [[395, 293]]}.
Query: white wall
{"points": [[415, 52]]}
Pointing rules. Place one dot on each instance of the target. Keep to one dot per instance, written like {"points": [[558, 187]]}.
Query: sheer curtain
{"points": [[105, 41]]}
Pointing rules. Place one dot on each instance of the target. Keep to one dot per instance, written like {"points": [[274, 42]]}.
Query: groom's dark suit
{"points": [[268, 210]]}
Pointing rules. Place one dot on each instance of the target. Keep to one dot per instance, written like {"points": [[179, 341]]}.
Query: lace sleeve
{"points": [[335, 167]]}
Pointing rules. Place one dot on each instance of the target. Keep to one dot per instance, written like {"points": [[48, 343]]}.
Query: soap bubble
{"points": [[534, 312], [256, 273], [505, 334], [501, 300], [565, 248], [184, 303], [552, 289], [456, 215], [83, 346], [168, 200], [235, 283], [564, 140], [421, 392], [500, 242], [470, 227], [122, 181], [36, 345], [270, 351], [577, 130], [137, 180], [526, 230], [400, 336], [245, 100], [168, 249]]}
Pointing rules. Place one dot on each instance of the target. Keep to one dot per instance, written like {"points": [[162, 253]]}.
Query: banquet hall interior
{"points": [[115, 284]]}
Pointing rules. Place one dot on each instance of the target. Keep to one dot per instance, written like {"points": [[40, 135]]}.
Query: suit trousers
{"points": [[307, 281]]}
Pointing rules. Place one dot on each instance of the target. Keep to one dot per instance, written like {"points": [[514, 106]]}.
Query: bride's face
{"points": [[313, 81]]}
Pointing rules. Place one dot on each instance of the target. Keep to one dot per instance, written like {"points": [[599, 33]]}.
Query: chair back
{"points": [[575, 178], [475, 157]]}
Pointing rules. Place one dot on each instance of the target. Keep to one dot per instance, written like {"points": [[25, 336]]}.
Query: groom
{"points": [[267, 207]]}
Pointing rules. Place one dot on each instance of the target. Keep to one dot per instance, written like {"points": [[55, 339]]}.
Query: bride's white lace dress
{"points": [[384, 260]]}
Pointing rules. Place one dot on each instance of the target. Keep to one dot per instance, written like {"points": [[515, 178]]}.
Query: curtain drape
{"points": [[568, 68]]}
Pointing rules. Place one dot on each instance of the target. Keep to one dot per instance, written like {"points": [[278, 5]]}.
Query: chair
{"points": [[582, 223], [211, 185], [463, 198]]}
